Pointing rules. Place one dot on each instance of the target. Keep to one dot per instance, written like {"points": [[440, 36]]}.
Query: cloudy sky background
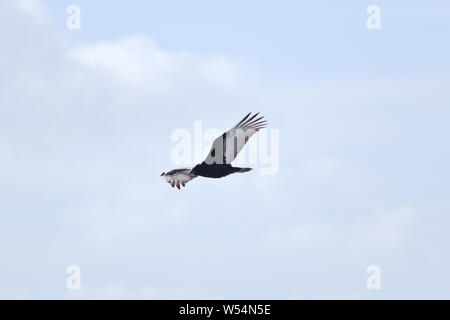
{"points": [[86, 118]]}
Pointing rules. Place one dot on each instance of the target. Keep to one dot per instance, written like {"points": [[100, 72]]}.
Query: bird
{"points": [[223, 151]]}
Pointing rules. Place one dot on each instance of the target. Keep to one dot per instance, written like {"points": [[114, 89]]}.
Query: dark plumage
{"points": [[216, 170], [223, 151]]}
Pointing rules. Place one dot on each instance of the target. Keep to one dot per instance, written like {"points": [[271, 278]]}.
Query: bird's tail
{"points": [[242, 169]]}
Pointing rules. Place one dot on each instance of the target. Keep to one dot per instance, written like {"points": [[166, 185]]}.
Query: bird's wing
{"points": [[226, 147], [178, 177]]}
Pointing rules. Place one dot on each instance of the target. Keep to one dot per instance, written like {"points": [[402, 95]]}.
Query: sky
{"points": [[86, 123]]}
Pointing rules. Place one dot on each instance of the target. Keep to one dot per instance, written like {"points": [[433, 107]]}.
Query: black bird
{"points": [[223, 151]]}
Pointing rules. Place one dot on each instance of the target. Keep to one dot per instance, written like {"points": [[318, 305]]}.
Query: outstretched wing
{"points": [[178, 177], [226, 147]]}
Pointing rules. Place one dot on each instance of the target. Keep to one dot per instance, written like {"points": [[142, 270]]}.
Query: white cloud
{"points": [[390, 230], [138, 62], [132, 213], [305, 237], [31, 8], [386, 231]]}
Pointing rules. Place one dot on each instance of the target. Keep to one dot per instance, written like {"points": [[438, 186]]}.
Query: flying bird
{"points": [[223, 151]]}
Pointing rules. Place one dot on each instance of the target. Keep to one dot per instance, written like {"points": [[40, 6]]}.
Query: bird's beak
{"points": [[162, 174]]}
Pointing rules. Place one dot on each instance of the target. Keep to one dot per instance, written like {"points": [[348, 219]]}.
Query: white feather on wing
{"points": [[178, 177], [226, 147]]}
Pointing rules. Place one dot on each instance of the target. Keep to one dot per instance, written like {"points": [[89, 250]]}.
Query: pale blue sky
{"points": [[86, 118], [291, 40]]}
